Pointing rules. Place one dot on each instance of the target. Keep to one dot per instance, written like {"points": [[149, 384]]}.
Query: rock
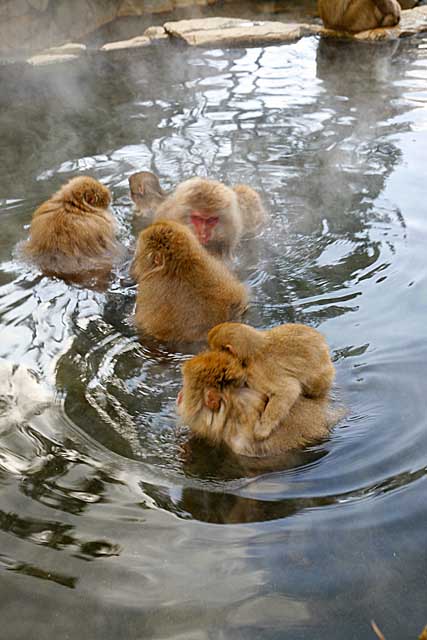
{"points": [[133, 43], [158, 6], [40, 5], [408, 4], [70, 48], [47, 58], [130, 8], [181, 4], [13, 9], [156, 33], [26, 32], [234, 31], [80, 17], [371, 35], [413, 21]]}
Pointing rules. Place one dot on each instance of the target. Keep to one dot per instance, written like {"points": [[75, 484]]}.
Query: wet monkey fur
{"points": [[218, 215], [73, 234], [146, 193], [183, 291], [218, 406], [359, 15], [284, 364]]}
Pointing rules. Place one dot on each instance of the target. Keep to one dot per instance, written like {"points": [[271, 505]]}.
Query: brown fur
{"points": [[219, 376], [183, 291], [359, 15], [73, 234], [251, 208], [146, 193], [283, 363], [239, 210]]}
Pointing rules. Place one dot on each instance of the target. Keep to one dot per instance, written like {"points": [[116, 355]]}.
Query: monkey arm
{"points": [[280, 402], [388, 7]]}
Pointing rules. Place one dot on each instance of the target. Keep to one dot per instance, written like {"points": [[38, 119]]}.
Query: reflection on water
{"points": [[107, 529]]}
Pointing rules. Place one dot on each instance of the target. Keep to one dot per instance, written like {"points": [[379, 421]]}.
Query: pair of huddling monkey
{"points": [[258, 392]]}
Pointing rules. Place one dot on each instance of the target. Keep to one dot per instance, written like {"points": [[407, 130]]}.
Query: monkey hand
{"points": [[263, 429]]}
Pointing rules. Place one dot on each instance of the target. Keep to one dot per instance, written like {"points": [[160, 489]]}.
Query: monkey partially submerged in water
{"points": [[284, 364], [217, 215], [218, 405], [183, 291], [73, 234]]}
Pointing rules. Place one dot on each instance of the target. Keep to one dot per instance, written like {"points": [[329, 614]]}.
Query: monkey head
{"points": [[168, 246], [210, 208], [143, 184], [241, 340], [86, 192], [214, 400]]}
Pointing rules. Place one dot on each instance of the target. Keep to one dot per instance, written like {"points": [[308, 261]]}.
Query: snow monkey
{"points": [[146, 193], [73, 234], [218, 215], [183, 291], [284, 363], [359, 15], [218, 406]]}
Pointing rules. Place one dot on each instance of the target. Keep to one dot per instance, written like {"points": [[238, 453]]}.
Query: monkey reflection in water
{"points": [[218, 215], [73, 234]]}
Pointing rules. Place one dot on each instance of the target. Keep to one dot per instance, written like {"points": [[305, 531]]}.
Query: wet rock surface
{"points": [[42, 27], [222, 31], [33, 25]]}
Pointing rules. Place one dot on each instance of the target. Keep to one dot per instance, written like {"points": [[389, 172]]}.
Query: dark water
{"points": [[105, 531]]}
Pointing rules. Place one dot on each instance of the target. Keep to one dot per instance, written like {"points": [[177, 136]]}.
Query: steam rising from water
{"points": [[97, 498]]}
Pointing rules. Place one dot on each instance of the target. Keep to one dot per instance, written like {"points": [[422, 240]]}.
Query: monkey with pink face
{"points": [[217, 215]]}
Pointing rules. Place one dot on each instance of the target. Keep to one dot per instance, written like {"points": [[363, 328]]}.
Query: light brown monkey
{"points": [[183, 291], [73, 234], [251, 208], [283, 363], [218, 406], [218, 215], [359, 15], [146, 192]]}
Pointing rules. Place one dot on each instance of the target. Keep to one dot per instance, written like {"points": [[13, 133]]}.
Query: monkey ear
{"points": [[141, 189], [212, 399], [230, 349], [157, 259]]}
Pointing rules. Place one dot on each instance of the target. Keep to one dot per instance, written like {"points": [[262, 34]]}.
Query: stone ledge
{"points": [[152, 35], [413, 21], [68, 52], [133, 43], [235, 31], [43, 59]]}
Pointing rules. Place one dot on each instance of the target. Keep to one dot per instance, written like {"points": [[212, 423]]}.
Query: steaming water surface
{"points": [[106, 532]]}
